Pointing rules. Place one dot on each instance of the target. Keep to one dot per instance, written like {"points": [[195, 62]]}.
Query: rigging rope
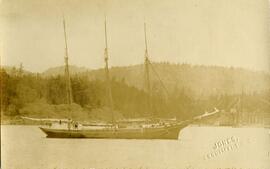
{"points": [[162, 84]]}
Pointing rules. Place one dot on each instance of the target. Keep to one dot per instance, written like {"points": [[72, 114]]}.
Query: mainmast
{"points": [[147, 75], [107, 75], [67, 75]]}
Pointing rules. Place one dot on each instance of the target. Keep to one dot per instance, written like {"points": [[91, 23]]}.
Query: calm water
{"points": [[25, 147]]}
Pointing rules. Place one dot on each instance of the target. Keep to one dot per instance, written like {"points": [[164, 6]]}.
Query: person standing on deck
{"points": [[69, 124]]}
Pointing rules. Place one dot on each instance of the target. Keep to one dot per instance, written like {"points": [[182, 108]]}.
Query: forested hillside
{"points": [[201, 80], [186, 91]]}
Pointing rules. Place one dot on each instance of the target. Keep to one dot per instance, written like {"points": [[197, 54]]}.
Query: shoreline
{"points": [[17, 120], [34, 123]]}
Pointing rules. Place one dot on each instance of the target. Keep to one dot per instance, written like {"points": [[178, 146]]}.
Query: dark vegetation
{"points": [[190, 90]]}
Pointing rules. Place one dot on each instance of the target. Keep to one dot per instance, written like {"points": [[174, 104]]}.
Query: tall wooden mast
{"points": [[107, 75], [67, 74], [147, 75]]}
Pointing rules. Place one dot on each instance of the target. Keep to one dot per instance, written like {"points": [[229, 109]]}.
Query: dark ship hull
{"points": [[162, 132]]}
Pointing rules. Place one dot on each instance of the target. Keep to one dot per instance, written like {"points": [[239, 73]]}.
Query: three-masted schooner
{"points": [[143, 130]]}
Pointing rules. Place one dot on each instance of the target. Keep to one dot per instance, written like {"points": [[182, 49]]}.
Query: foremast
{"points": [[107, 75]]}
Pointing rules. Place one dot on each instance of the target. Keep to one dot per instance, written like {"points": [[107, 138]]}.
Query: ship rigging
{"points": [[144, 130]]}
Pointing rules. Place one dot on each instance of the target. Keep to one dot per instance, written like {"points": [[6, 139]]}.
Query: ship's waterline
{"points": [[197, 147]]}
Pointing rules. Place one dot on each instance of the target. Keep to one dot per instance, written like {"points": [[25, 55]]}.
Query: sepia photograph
{"points": [[135, 84]]}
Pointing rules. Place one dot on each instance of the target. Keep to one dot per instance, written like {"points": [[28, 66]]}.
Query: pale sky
{"points": [[208, 32]]}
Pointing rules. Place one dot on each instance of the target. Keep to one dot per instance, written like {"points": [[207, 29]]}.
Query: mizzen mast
{"points": [[147, 75], [67, 73], [107, 75]]}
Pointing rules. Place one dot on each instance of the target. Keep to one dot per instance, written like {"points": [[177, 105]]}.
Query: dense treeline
{"points": [[201, 80], [20, 92]]}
